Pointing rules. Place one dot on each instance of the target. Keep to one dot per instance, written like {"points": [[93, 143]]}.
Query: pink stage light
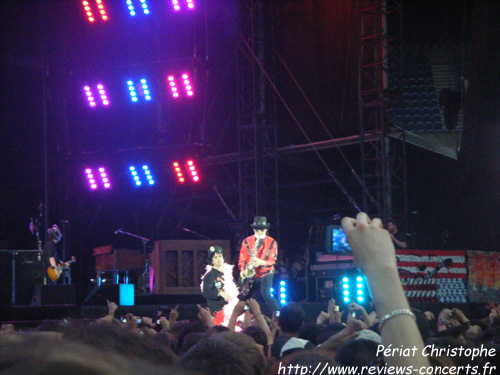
{"points": [[102, 178], [89, 11], [178, 4], [190, 165], [184, 89], [101, 94]]}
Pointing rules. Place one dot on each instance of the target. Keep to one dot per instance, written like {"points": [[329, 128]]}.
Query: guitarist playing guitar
{"points": [[54, 265]]}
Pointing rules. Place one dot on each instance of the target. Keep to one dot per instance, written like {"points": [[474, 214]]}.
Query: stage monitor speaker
{"points": [[54, 295], [122, 294]]}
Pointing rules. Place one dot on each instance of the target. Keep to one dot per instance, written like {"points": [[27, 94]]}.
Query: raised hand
{"points": [[372, 247]]}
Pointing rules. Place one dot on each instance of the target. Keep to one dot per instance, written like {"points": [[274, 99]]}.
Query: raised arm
{"points": [[374, 254]]}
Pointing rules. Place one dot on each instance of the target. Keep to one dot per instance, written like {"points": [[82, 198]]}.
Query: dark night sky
{"points": [[448, 195]]}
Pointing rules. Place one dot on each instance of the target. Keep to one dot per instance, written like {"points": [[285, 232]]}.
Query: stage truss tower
{"points": [[384, 158], [257, 147]]}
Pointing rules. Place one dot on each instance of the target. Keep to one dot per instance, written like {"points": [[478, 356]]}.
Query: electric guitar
{"points": [[55, 273]]}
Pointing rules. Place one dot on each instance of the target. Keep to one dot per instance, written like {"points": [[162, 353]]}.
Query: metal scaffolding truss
{"points": [[383, 158], [257, 148]]}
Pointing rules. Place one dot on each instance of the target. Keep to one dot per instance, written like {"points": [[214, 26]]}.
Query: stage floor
{"points": [[149, 304]]}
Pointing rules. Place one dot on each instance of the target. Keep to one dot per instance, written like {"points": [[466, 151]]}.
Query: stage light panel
{"points": [[145, 171], [188, 88], [90, 96], [182, 4], [191, 167], [354, 289], [97, 7], [100, 90], [283, 292], [184, 88], [140, 90], [142, 4], [98, 178], [178, 172]]}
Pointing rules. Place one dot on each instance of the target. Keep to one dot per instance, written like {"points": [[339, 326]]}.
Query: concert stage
{"points": [[148, 304]]}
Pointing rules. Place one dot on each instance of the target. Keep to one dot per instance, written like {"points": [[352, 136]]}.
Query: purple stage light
{"points": [[187, 85], [101, 94], [101, 178], [185, 89], [178, 4], [172, 85]]}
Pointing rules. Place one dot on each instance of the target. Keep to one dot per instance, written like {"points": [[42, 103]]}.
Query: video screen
{"points": [[336, 241]]}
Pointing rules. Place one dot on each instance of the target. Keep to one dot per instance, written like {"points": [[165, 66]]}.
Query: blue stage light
{"points": [[139, 91], [283, 292], [136, 175], [131, 7]]}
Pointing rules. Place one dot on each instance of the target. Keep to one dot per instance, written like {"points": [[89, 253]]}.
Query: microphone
{"points": [[118, 231]]}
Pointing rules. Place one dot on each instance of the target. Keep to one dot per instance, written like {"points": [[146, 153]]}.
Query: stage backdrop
{"points": [[484, 280], [433, 275]]}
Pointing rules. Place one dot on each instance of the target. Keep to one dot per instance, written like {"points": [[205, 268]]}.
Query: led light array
{"points": [[141, 91], [98, 179], [131, 8], [91, 97], [136, 175], [357, 294], [283, 292], [187, 87], [101, 10], [178, 3], [189, 169]]}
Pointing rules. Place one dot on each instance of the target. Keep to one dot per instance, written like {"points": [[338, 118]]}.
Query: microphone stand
{"points": [[145, 272], [228, 210], [64, 222]]}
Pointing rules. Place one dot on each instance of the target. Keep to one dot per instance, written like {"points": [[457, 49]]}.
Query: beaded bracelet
{"points": [[386, 317]]}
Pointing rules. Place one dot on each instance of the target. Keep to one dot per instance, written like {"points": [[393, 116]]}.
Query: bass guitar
{"points": [[55, 273]]}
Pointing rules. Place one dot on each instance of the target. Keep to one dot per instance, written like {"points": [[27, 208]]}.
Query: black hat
{"points": [[214, 250], [260, 222]]}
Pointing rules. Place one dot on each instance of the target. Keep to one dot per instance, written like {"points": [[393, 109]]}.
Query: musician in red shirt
{"points": [[256, 263]]}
